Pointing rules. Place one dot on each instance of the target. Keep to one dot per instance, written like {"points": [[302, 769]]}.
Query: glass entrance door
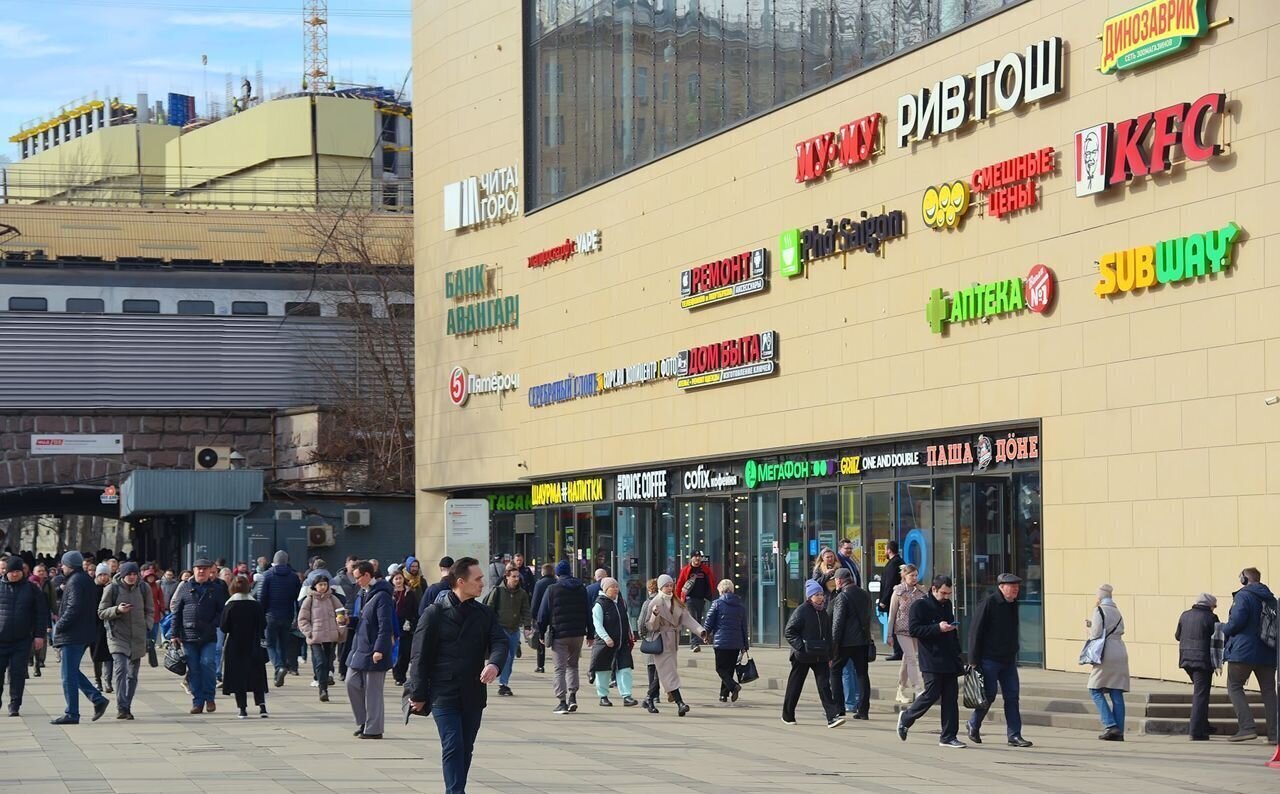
{"points": [[982, 541], [795, 562], [633, 525], [766, 558]]}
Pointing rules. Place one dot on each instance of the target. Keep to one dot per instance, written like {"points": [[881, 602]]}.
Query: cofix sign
{"points": [[1151, 31], [724, 279], [724, 362], [853, 143], [1109, 154]]}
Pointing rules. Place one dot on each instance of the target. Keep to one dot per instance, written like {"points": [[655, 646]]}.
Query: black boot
{"points": [[682, 708]]}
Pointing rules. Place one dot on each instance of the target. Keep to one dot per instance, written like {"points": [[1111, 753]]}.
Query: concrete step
{"points": [[1182, 711]]}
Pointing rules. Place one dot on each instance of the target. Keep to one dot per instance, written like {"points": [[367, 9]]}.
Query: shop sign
{"points": [[486, 314], [1009, 185], [567, 492], [77, 444], [1008, 296], [640, 486], [1151, 31], [888, 460], [559, 391], [1014, 80], [704, 479], [757, 473], [746, 357], [585, 243], [1109, 154], [945, 205], [724, 279], [509, 502], [983, 453], [1168, 262], [853, 143], [110, 495], [477, 201], [463, 384], [596, 383], [799, 246]]}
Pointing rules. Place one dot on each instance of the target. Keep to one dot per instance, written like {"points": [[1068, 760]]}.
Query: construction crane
{"points": [[315, 26]]}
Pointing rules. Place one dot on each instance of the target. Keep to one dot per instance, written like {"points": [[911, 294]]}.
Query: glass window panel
{"points": [[815, 42], [605, 138], [760, 55], [877, 26], [248, 307], [86, 305], [711, 63], [949, 15], [688, 78], [138, 306], [295, 309], [734, 23], [28, 304], [789, 67], [909, 23], [578, 123], [847, 37], [624, 78], [645, 87], [664, 58], [196, 307]]}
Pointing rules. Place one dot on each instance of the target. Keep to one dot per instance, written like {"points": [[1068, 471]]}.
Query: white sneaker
{"points": [[314, 683]]}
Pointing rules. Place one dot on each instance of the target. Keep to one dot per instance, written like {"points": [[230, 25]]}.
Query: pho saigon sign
{"points": [[1151, 31]]}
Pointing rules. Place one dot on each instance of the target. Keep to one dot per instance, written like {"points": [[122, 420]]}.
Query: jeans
{"points": [[202, 670], [697, 609], [74, 682], [458, 729], [513, 642], [851, 665], [126, 680], [1201, 680], [1112, 717], [278, 636], [795, 685], [222, 641], [322, 663], [1006, 675], [1237, 676], [13, 657], [937, 687]]}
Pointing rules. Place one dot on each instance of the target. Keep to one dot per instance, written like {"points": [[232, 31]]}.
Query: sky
{"points": [[57, 52]]}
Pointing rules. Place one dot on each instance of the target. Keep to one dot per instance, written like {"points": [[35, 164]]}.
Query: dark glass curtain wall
{"points": [[616, 83]]}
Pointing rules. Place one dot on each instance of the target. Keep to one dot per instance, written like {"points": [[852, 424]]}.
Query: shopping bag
{"points": [[175, 660], [745, 669], [975, 689]]}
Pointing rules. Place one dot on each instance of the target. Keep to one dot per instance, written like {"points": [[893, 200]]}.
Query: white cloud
{"points": [[224, 21], [18, 41]]}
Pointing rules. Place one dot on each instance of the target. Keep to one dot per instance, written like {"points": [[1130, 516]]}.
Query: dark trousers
{"points": [[242, 699], [726, 661], [344, 650], [278, 643], [458, 729], [13, 658], [401, 670], [795, 685], [856, 654], [322, 663], [697, 609], [1200, 682], [542, 653], [1005, 674], [937, 687], [653, 683]]}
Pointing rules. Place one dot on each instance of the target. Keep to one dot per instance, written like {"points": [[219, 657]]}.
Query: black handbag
{"points": [[175, 660], [652, 644], [745, 670]]}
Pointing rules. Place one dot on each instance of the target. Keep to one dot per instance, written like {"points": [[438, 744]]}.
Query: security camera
{"points": [[1272, 400]]}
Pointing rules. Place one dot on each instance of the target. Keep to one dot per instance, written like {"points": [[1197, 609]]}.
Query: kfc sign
{"points": [[1109, 154], [853, 143], [746, 357], [724, 279]]}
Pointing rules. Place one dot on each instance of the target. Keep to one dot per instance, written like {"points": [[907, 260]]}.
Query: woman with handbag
{"points": [[642, 634], [318, 622], [665, 616], [905, 594], [726, 622], [611, 651], [245, 662], [1110, 676]]}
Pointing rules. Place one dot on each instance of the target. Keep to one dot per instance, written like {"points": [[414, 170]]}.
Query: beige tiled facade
{"points": [[1161, 461]]}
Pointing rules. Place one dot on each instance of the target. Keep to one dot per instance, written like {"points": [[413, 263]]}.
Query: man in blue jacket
{"points": [[24, 620], [1247, 653], [279, 595], [76, 630], [370, 657]]}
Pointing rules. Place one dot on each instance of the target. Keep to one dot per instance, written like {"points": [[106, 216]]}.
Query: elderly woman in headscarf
{"points": [[612, 649], [1111, 678], [665, 617]]}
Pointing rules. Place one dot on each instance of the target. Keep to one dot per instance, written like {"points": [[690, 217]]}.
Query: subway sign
{"points": [[724, 279], [1168, 262], [1151, 31], [743, 358]]}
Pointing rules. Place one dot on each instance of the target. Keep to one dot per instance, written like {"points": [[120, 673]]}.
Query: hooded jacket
{"points": [[375, 630], [78, 613], [127, 632], [24, 611], [279, 591], [1243, 628]]}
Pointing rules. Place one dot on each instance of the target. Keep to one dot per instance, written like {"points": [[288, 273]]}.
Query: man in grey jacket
{"points": [[128, 610]]}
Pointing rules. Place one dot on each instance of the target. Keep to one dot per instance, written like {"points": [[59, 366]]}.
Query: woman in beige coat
{"points": [[666, 616], [904, 595], [1111, 678], [318, 622]]}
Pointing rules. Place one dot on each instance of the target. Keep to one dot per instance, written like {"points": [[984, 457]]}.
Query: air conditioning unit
{"points": [[212, 459], [355, 518], [288, 515], [319, 535]]}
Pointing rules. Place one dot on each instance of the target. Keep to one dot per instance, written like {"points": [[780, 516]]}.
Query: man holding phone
{"points": [[933, 624], [128, 610]]}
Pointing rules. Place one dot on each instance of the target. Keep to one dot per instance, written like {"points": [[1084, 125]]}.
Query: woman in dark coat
{"points": [[1194, 635], [407, 601], [244, 666], [726, 622], [99, 652]]}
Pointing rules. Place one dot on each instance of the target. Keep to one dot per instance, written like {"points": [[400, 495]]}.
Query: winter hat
{"points": [[73, 559], [102, 568], [318, 576], [811, 589], [665, 580], [128, 568], [563, 568], [393, 569], [1208, 599], [842, 573], [14, 563], [281, 558], [608, 582], [1105, 590]]}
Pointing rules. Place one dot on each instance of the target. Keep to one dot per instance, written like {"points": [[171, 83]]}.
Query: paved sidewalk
{"points": [[307, 746]]}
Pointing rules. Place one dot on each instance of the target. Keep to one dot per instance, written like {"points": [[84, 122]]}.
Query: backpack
{"points": [[1270, 624]]}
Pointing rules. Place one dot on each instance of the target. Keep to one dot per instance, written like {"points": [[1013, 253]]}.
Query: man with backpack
{"points": [[1251, 650]]}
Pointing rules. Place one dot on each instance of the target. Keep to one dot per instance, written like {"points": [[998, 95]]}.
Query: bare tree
{"points": [[365, 275]]}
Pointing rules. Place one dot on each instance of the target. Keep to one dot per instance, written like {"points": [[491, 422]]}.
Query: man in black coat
{"points": [[24, 619], [932, 622], [76, 630], [564, 610], [457, 651], [535, 603], [993, 649], [891, 577], [1194, 635], [197, 613], [851, 618], [808, 632]]}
